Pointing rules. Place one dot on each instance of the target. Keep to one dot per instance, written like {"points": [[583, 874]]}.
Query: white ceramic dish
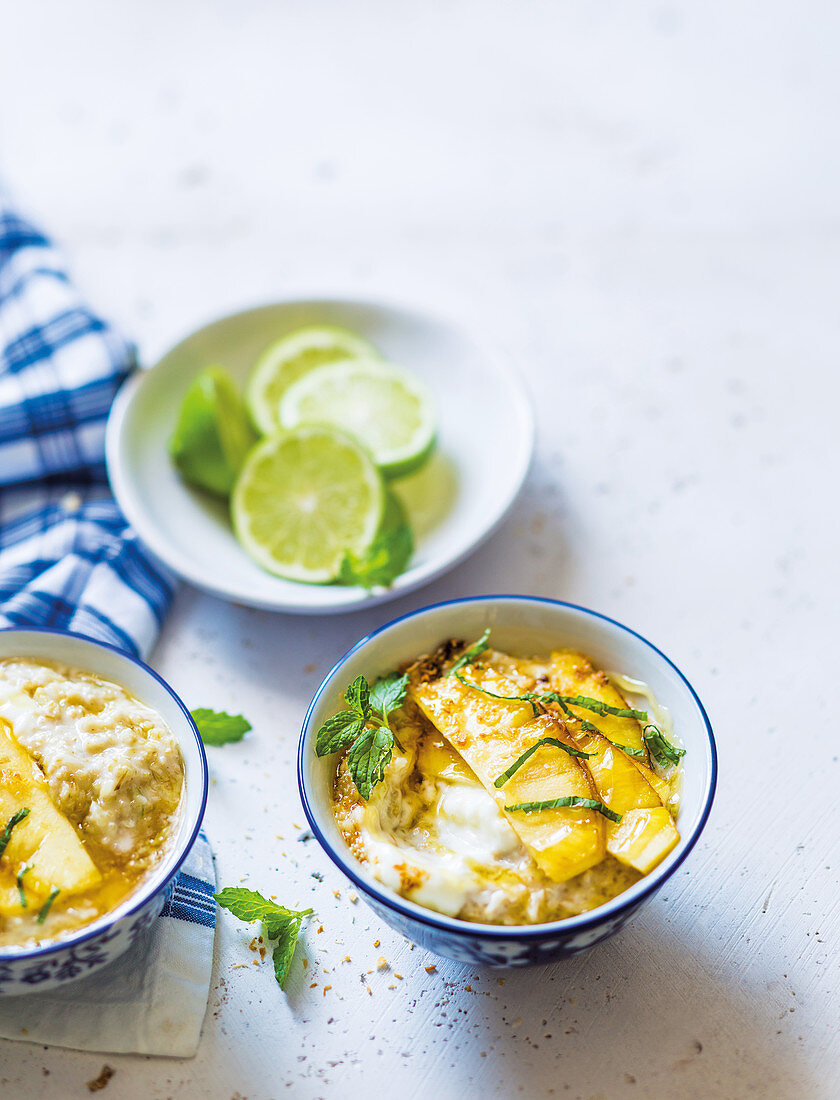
{"points": [[485, 442], [528, 625], [28, 969]]}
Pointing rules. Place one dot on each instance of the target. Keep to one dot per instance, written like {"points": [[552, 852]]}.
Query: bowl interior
{"points": [[140, 682], [527, 626], [454, 502]]}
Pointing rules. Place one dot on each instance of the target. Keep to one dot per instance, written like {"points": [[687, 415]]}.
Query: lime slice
{"points": [[385, 408], [213, 433], [304, 499], [290, 359]]}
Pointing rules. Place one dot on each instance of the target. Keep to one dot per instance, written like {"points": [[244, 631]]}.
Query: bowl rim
{"points": [[143, 895], [417, 575], [472, 929]]}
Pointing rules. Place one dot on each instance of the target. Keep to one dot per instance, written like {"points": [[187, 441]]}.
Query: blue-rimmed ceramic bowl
{"points": [[521, 624], [34, 969]]}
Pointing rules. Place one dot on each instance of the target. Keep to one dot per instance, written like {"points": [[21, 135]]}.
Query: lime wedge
{"points": [[290, 359], [304, 499], [386, 409], [213, 433]]}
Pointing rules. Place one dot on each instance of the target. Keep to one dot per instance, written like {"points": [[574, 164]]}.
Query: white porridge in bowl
{"points": [[91, 786]]}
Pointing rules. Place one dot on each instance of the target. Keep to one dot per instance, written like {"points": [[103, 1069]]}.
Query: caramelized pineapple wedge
{"points": [[643, 838], [623, 782], [574, 674], [490, 734], [45, 841]]}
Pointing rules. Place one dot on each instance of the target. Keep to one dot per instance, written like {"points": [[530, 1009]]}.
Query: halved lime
{"points": [[291, 358], [304, 499], [390, 412], [213, 434]]}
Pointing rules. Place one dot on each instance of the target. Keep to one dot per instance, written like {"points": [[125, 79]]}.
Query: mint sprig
{"points": [[216, 727], [365, 728], [280, 924]]}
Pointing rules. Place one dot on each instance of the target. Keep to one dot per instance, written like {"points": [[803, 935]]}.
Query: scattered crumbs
{"points": [[314, 985], [431, 969], [353, 897], [305, 963], [100, 1082], [392, 986], [336, 893], [253, 944], [381, 963], [320, 928], [399, 976], [516, 1023], [317, 875], [376, 943], [296, 826], [501, 981], [370, 991], [256, 962], [326, 987], [261, 950], [239, 966], [302, 839], [346, 959], [468, 989]]}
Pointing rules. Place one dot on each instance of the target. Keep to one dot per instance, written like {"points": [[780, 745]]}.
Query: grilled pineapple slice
{"points": [[490, 734], [44, 840], [574, 674], [644, 836]]}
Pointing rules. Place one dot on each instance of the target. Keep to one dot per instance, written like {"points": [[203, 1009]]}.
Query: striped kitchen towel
{"points": [[68, 559]]}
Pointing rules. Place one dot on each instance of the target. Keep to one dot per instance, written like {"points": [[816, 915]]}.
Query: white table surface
{"points": [[640, 202]]}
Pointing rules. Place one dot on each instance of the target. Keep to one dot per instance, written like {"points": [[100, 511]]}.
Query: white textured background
{"points": [[640, 202]]}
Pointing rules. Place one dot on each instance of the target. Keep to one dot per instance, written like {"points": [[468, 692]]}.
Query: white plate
{"points": [[485, 442]]}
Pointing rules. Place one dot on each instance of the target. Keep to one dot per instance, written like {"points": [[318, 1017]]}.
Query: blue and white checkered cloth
{"points": [[68, 559]]}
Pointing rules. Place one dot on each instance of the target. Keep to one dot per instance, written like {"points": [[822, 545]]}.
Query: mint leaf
{"points": [[517, 764], [280, 923], [559, 803], [661, 749], [218, 728], [474, 651], [368, 758], [286, 936], [15, 819], [598, 707], [388, 693], [387, 556], [357, 697], [338, 732]]}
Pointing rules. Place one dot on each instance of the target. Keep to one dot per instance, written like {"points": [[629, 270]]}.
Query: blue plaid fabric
{"points": [[68, 559]]}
